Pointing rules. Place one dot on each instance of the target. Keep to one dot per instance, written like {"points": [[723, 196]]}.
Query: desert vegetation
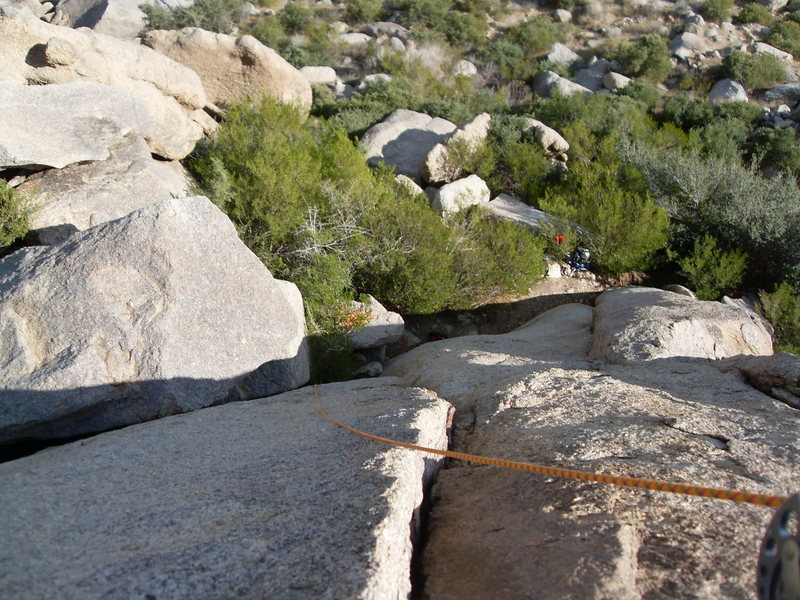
{"points": [[658, 179]]}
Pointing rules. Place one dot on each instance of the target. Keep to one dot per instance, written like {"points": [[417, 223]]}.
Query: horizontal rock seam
{"points": [[631, 482]]}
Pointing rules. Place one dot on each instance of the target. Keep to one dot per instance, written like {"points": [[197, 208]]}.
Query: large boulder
{"points": [[688, 45], [547, 137], [441, 165], [560, 54], [536, 395], [460, 194], [727, 90], [84, 195], [233, 67], [547, 82], [646, 323], [37, 53], [57, 125], [404, 139], [157, 313], [259, 499]]}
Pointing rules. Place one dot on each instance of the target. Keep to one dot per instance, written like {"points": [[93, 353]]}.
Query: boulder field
{"points": [[159, 442]]}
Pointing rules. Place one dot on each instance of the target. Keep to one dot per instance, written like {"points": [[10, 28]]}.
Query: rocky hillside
{"points": [[207, 207]]}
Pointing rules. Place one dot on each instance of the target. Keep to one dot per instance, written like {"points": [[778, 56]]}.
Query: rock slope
{"points": [[258, 499], [537, 394]]}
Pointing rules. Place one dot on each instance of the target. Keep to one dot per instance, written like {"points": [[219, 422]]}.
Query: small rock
{"points": [[354, 39], [371, 80], [319, 75], [465, 69], [561, 55], [460, 194], [679, 289], [382, 326], [615, 81], [562, 15]]}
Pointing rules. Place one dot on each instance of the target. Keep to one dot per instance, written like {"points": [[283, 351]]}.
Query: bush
{"points": [[754, 71], [535, 36], [15, 211], [295, 17], [725, 138], [776, 151], [649, 95], [782, 309], [362, 11], [756, 13], [686, 112], [733, 203], [717, 10], [712, 272], [211, 15], [649, 57], [304, 200], [786, 36], [623, 226], [494, 259]]}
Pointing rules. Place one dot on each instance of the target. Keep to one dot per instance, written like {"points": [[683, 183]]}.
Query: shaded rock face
{"points": [[37, 53], [84, 195], [404, 139], [232, 68], [157, 313], [537, 395], [259, 499], [57, 125]]}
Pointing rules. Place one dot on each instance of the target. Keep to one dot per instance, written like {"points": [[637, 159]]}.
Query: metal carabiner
{"points": [[779, 559]]}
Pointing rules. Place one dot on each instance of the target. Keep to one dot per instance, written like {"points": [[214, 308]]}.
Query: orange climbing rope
{"points": [[633, 482]]}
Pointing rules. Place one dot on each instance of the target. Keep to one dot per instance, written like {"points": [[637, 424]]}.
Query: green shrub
{"points": [[624, 227], [295, 17], [462, 24], [686, 112], [746, 112], [211, 15], [649, 95], [509, 60], [648, 57], [362, 11], [735, 204], [15, 211], [754, 71], [776, 150], [711, 271], [535, 36], [725, 138], [756, 13], [495, 258], [717, 10], [782, 309], [786, 36], [304, 200]]}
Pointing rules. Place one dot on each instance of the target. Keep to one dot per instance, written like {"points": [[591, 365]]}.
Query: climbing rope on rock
{"points": [[632, 482]]}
